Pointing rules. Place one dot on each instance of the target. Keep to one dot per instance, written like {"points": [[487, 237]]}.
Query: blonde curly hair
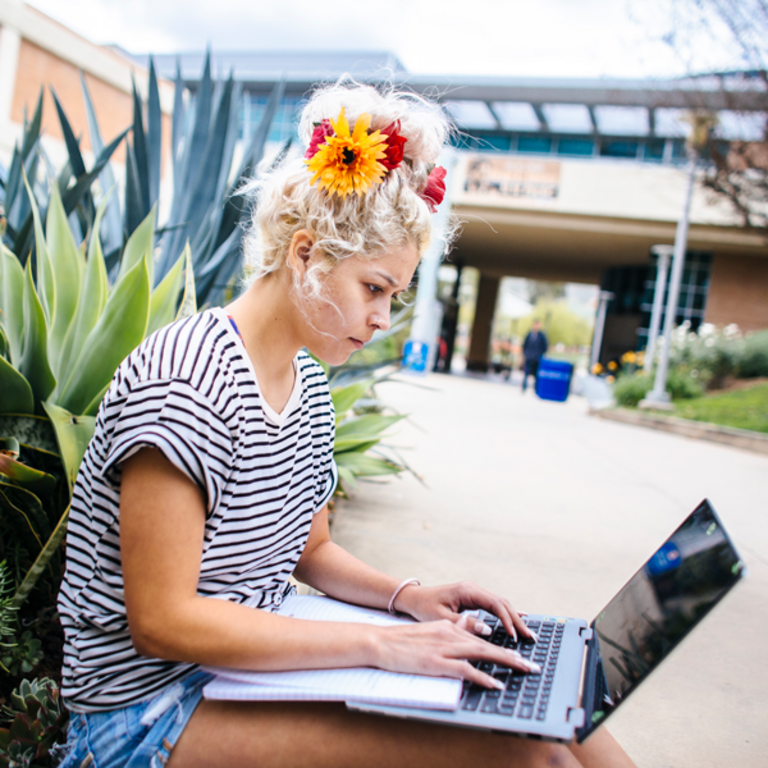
{"points": [[391, 214]]}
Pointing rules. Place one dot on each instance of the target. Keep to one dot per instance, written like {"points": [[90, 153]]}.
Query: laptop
{"points": [[590, 669]]}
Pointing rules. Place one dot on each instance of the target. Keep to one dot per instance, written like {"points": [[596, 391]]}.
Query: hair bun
{"points": [[422, 124]]}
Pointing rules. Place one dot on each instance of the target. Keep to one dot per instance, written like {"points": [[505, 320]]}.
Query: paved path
{"points": [[556, 510]]}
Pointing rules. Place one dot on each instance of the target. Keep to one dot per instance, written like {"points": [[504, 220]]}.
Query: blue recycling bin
{"points": [[554, 379]]}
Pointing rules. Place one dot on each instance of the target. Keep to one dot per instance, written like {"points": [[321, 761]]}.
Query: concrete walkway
{"points": [[556, 510]]}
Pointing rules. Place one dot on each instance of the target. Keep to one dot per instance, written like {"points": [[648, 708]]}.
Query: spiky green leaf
{"points": [[73, 433], [11, 301], [366, 427], [162, 305], [15, 392], [139, 244], [345, 397], [93, 297], [34, 365], [16, 472], [67, 265], [188, 306], [45, 279], [113, 227], [362, 465], [120, 329]]}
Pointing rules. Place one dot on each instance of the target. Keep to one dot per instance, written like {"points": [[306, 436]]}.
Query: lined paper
{"points": [[355, 684]]}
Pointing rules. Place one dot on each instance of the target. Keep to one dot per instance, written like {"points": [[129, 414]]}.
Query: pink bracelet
{"points": [[400, 588]]}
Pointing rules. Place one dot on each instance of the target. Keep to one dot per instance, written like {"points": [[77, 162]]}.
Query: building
{"points": [[37, 53], [566, 180]]}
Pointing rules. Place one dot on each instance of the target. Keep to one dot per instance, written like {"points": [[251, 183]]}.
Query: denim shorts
{"points": [[139, 736]]}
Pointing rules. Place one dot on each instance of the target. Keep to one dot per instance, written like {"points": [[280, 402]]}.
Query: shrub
{"points": [[754, 357], [711, 355], [682, 386], [629, 390]]}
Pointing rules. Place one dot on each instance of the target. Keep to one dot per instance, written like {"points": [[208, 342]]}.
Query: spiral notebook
{"points": [[354, 684]]}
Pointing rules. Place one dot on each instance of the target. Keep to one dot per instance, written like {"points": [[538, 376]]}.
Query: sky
{"points": [[516, 38]]}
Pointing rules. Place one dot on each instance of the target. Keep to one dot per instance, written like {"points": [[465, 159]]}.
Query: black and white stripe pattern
{"points": [[190, 391]]}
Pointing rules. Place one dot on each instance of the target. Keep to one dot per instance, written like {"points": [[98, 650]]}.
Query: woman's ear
{"points": [[300, 252]]}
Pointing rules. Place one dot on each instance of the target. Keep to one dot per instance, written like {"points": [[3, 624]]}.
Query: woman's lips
{"points": [[358, 344]]}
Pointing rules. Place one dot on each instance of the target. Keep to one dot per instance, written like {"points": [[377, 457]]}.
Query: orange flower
{"points": [[348, 162]]}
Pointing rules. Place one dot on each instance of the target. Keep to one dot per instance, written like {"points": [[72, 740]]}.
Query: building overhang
{"points": [[546, 245]]}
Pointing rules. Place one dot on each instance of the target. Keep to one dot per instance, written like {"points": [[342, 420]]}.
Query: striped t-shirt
{"points": [[190, 391]]}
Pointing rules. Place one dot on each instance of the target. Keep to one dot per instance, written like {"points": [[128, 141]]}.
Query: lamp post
{"points": [[658, 398], [421, 347], [597, 340], [663, 254]]}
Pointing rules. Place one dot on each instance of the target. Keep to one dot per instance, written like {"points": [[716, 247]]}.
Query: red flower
{"points": [[319, 135], [434, 191], [395, 144]]}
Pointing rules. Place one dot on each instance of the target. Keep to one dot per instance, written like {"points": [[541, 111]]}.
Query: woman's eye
{"points": [[374, 288]]}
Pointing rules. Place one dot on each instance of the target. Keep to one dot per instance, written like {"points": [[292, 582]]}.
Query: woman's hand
{"points": [[444, 649], [450, 600]]}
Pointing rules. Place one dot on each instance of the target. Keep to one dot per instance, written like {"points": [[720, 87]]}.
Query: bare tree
{"points": [[731, 35]]}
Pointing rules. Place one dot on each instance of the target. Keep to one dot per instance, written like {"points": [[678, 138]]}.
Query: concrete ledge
{"points": [[739, 438]]}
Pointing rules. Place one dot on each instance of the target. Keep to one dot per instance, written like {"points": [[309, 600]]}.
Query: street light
{"points": [[663, 254], [701, 124], [597, 340]]}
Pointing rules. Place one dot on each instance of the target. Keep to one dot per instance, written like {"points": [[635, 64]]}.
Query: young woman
{"points": [[205, 488]]}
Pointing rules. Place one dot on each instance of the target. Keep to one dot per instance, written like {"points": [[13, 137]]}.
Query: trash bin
{"points": [[554, 379]]}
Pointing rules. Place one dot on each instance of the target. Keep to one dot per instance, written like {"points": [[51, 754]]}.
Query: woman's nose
{"points": [[380, 321]]}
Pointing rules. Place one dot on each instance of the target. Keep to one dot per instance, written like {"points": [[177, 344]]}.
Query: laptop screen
{"points": [[652, 613]]}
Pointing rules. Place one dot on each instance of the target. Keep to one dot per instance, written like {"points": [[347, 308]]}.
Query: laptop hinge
{"points": [[576, 717], [585, 633]]}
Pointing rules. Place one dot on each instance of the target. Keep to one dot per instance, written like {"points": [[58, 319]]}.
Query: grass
{"points": [[742, 408]]}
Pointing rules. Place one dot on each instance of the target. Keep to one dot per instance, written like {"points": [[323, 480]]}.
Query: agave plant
{"points": [[74, 182], [358, 436], [62, 335], [204, 210]]}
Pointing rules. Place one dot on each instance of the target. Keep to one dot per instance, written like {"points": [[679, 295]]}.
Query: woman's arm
{"points": [[162, 523], [327, 567]]}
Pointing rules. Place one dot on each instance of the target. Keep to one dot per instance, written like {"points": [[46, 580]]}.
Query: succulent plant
{"points": [[38, 721]]}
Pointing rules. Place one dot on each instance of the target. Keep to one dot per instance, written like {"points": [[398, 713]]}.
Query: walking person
{"points": [[206, 484], [534, 348]]}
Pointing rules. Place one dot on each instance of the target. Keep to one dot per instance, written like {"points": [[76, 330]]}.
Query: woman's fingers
{"points": [[509, 617], [446, 642], [470, 621]]}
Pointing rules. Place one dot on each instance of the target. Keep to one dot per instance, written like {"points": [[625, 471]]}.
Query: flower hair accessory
{"points": [[434, 190], [345, 161]]}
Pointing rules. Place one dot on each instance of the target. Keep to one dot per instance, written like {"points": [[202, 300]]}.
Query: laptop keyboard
{"points": [[524, 696]]}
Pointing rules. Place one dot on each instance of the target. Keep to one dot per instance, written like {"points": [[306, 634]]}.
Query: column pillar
{"points": [[451, 320], [485, 308]]}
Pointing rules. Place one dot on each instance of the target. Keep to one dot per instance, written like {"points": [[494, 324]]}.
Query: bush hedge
{"points": [[630, 389], [753, 361]]}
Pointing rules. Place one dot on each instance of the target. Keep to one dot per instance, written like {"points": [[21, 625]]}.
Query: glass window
{"points": [[618, 148], [678, 149], [541, 144], [575, 147], [654, 149], [462, 141], [491, 143]]}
